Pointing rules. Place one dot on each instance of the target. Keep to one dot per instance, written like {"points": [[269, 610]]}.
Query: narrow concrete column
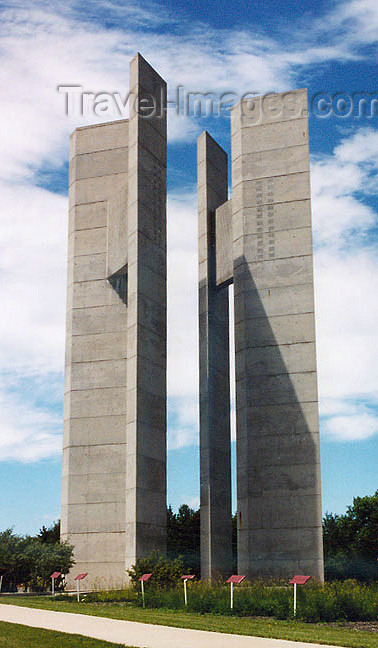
{"points": [[215, 462], [278, 468], [146, 323]]}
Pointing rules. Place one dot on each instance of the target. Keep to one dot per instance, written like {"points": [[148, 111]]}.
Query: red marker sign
{"points": [[144, 578], [53, 576], [80, 577], [235, 578], [299, 580], [188, 577]]}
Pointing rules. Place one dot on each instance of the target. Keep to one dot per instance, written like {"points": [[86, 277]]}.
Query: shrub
{"points": [[166, 573]]}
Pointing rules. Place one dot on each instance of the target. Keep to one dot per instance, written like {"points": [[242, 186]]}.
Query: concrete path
{"points": [[140, 635]]}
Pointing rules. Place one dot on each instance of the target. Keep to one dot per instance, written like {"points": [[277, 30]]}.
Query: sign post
{"points": [[234, 579], [2, 572], [78, 578], [53, 576], [298, 580], [185, 578], [143, 579]]}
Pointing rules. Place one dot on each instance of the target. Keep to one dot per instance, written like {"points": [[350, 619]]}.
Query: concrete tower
{"points": [[114, 455], [260, 241]]}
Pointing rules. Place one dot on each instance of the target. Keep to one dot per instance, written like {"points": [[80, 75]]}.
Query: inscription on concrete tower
{"points": [[260, 241]]}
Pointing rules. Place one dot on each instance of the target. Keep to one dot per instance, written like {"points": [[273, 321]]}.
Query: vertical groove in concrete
{"points": [[278, 467], [215, 462]]}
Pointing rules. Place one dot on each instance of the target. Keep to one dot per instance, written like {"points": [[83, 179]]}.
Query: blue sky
{"points": [[214, 47]]}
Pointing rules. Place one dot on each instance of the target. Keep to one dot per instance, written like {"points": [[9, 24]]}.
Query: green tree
{"points": [[183, 536], [31, 561], [351, 541], [50, 534], [12, 559]]}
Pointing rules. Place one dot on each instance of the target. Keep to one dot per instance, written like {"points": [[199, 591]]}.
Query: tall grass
{"points": [[347, 600]]}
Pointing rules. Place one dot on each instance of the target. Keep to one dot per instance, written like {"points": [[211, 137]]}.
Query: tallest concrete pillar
{"points": [[114, 448], [278, 465], [261, 241]]}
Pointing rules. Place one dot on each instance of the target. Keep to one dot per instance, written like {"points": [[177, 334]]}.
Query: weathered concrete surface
{"points": [[262, 243], [94, 446], [146, 324], [113, 483], [223, 244], [278, 467], [141, 635], [216, 553]]}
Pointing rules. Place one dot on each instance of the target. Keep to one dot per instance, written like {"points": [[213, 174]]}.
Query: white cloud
{"points": [[33, 238], [351, 428], [28, 432], [358, 18], [182, 296], [346, 280], [337, 182]]}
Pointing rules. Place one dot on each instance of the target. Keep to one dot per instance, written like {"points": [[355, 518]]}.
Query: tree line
{"points": [[350, 547], [30, 560], [350, 541]]}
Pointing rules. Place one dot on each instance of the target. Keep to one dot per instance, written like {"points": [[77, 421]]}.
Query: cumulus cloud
{"points": [[28, 430], [346, 278], [356, 427]]}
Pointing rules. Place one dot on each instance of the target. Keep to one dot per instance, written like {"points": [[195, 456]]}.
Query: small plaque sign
{"points": [[145, 577], [188, 577], [235, 578], [81, 576], [299, 580], [55, 574]]}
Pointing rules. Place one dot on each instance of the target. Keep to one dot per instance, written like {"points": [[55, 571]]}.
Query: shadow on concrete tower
{"points": [[260, 241], [114, 454]]}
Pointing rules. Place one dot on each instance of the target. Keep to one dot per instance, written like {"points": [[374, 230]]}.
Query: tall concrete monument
{"points": [[259, 240], [114, 456]]}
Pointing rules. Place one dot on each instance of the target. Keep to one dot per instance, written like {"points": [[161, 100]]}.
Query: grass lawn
{"points": [[13, 635], [254, 626]]}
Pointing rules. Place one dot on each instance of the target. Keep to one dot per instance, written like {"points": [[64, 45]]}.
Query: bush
{"points": [[165, 573], [347, 600]]}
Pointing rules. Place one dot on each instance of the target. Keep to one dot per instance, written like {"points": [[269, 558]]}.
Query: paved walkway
{"points": [[140, 635]]}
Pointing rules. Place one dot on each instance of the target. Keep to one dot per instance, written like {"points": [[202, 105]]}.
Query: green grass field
{"points": [[260, 627], [17, 636]]}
